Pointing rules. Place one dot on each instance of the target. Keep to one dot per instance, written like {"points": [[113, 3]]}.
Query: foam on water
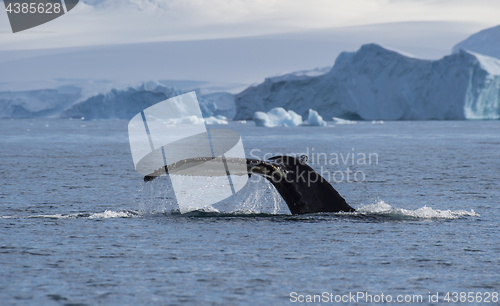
{"points": [[384, 209], [260, 197], [255, 199], [113, 214]]}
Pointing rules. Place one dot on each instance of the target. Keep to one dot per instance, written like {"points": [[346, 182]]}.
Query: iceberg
{"points": [[343, 121], [277, 117], [122, 104], [280, 117], [486, 42], [221, 102], [125, 104], [302, 74], [70, 101], [379, 84], [314, 119], [37, 103]]}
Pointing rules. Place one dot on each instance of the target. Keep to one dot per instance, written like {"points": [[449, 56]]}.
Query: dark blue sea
{"points": [[80, 227]]}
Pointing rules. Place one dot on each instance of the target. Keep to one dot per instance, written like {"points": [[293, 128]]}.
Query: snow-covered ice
{"points": [[485, 42], [371, 84], [277, 117], [280, 117], [37, 103], [378, 84]]}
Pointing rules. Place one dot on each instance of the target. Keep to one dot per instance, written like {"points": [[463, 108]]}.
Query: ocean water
{"points": [[80, 227]]}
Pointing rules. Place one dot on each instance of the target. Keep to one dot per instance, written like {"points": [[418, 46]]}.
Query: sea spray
{"points": [[157, 197], [383, 209], [257, 197]]}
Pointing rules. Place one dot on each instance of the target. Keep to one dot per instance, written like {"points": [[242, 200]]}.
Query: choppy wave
{"points": [[384, 209]]}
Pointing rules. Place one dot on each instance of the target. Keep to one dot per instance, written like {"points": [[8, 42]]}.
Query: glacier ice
{"points": [[37, 103], [124, 104], [277, 117], [222, 103], [75, 102], [302, 74], [378, 84], [371, 84], [314, 119], [485, 42], [343, 121], [280, 117]]}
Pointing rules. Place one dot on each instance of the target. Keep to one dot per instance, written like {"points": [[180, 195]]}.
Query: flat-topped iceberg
{"points": [[37, 103]]}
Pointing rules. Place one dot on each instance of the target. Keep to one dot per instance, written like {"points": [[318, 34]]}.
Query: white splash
{"points": [[112, 214], [382, 208]]}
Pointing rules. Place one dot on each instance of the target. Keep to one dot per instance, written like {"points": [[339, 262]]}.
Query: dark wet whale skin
{"points": [[304, 190]]}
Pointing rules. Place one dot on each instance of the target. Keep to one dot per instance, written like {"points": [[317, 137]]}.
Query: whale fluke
{"points": [[303, 189]]}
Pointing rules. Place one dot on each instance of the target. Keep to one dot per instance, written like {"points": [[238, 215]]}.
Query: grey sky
{"points": [[130, 21]]}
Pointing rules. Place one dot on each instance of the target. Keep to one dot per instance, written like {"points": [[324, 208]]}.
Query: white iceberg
{"points": [[378, 84], [280, 117], [342, 121], [485, 42], [277, 116], [37, 103], [124, 104], [314, 119]]}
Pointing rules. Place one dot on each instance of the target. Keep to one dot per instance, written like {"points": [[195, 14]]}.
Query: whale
{"points": [[304, 190]]}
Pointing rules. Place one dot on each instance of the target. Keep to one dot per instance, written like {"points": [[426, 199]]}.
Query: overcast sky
{"points": [[96, 22], [226, 41]]}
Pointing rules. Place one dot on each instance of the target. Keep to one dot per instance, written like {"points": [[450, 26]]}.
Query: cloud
{"points": [[96, 22]]}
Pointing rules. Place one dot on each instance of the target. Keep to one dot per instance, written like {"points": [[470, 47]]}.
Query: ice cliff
{"points": [[371, 84], [125, 104], [378, 84], [37, 103]]}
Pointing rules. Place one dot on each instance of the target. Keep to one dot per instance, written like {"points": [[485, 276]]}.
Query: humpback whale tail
{"points": [[303, 189]]}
